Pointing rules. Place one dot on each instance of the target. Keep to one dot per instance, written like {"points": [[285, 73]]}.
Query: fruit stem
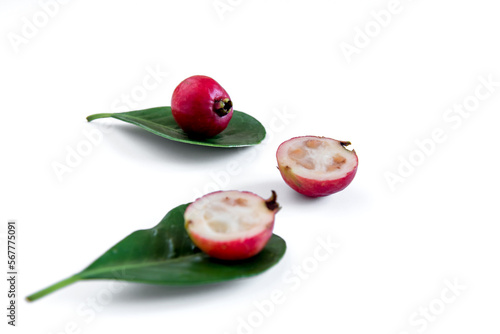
{"points": [[52, 288], [345, 143], [271, 202], [96, 116]]}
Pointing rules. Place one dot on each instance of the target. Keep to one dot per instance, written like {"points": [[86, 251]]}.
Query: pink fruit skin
{"points": [[315, 188], [194, 102], [235, 249], [311, 187]]}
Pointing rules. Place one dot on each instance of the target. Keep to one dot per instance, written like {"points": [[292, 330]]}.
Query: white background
{"points": [[282, 62]]}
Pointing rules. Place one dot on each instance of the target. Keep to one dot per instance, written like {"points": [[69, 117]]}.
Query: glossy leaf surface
{"points": [[243, 129], [165, 255]]}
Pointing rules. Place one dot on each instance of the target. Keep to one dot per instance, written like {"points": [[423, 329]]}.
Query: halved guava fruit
{"points": [[231, 225], [316, 166]]}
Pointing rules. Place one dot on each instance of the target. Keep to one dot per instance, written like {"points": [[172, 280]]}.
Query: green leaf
{"points": [[243, 129], [165, 255]]}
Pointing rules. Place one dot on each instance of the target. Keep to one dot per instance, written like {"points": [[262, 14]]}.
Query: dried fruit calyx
{"points": [[231, 225], [223, 107]]}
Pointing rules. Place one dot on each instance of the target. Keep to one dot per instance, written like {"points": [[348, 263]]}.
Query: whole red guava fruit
{"points": [[201, 107]]}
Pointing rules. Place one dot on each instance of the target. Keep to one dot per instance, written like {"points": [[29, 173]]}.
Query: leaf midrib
{"points": [[133, 119], [83, 273]]}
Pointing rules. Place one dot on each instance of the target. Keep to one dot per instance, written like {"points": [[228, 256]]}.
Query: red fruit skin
{"points": [[239, 249], [315, 188], [194, 102], [312, 187]]}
